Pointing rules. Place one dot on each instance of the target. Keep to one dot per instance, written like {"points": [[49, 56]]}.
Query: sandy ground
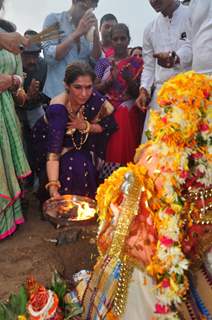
{"points": [[28, 252]]}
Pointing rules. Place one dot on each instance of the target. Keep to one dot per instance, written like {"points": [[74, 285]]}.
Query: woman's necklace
{"points": [[72, 132], [83, 139]]}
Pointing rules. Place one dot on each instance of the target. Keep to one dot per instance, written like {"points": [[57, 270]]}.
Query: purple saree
{"points": [[77, 172]]}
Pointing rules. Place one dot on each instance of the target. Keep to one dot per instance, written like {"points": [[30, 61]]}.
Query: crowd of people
{"points": [[80, 112], [70, 117]]}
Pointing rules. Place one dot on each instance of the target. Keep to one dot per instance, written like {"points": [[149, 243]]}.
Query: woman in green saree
{"points": [[13, 164]]}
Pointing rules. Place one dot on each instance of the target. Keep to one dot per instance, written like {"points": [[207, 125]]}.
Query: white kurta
{"points": [[162, 35], [199, 42]]}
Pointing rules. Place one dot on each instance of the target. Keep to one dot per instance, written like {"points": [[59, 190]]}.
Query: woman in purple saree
{"points": [[71, 135]]}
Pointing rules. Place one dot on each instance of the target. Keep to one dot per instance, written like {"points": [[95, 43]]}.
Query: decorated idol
{"points": [[155, 215]]}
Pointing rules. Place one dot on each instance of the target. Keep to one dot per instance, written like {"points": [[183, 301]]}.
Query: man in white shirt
{"points": [[162, 39], [199, 43]]}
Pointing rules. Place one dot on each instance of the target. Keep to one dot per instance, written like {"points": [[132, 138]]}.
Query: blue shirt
{"points": [[56, 68]]}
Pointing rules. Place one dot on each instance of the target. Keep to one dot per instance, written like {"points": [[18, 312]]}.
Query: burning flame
{"points": [[83, 210]]}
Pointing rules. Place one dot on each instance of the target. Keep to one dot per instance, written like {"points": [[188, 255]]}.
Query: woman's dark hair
{"points": [[7, 26], [77, 69], [120, 27], [134, 48]]}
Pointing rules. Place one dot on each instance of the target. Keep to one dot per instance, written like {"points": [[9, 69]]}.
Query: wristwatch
{"points": [[174, 56]]}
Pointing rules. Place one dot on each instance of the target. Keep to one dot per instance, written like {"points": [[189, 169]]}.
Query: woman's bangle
{"points": [[55, 183], [87, 128], [53, 156]]}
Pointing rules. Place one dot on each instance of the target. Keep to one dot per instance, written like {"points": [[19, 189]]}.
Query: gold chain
{"points": [[83, 135], [83, 139]]}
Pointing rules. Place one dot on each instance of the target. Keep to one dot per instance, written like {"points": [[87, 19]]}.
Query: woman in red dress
{"points": [[119, 79]]}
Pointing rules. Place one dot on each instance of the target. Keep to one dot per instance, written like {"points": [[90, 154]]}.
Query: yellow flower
{"points": [[22, 317]]}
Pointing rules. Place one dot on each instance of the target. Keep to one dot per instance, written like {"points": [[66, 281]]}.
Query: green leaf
{"points": [[17, 303], [166, 109], [59, 286], [72, 310], [22, 300], [179, 201], [13, 304], [148, 134], [200, 140], [6, 313]]}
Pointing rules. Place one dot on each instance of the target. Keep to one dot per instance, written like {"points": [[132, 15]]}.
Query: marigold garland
{"points": [[177, 157]]}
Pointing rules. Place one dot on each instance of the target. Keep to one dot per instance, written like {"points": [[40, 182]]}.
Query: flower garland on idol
{"points": [[182, 137], [177, 158]]}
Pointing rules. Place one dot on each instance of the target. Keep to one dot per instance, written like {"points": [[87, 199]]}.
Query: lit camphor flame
{"points": [[79, 210], [85, 211]]}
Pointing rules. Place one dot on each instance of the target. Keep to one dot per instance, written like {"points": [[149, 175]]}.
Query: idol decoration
{"points": [[156, 215]]}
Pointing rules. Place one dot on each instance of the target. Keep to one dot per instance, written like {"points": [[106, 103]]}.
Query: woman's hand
{"points": [[5, 82], [143, 100], [53, 192], [77, 121], [13, 41], [126, 74], [114, 71], [77, 124]]}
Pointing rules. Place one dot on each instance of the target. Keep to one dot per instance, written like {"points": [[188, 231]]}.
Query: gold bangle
{"points": [[88, 127], [55, 183], [53, 156]]}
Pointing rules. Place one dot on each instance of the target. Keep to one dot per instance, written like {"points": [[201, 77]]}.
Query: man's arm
{"points": [[86, 22], [185, 53], [96, 50], [148, 75], [55, 51]]}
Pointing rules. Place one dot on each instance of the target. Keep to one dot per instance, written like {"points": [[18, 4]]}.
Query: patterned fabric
{"points": [[13, 163], [197, 305], [105, 279], [77, 172], [123, 143], [132, 66], [107, 169]]}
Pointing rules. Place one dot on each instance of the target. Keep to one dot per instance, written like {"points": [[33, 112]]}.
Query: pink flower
{"points": [[165, 283], [204, 127], [206, 94], [164, 119], [161, 309], [169, 211], [166, 241], [183, 174], [197, 155]]}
